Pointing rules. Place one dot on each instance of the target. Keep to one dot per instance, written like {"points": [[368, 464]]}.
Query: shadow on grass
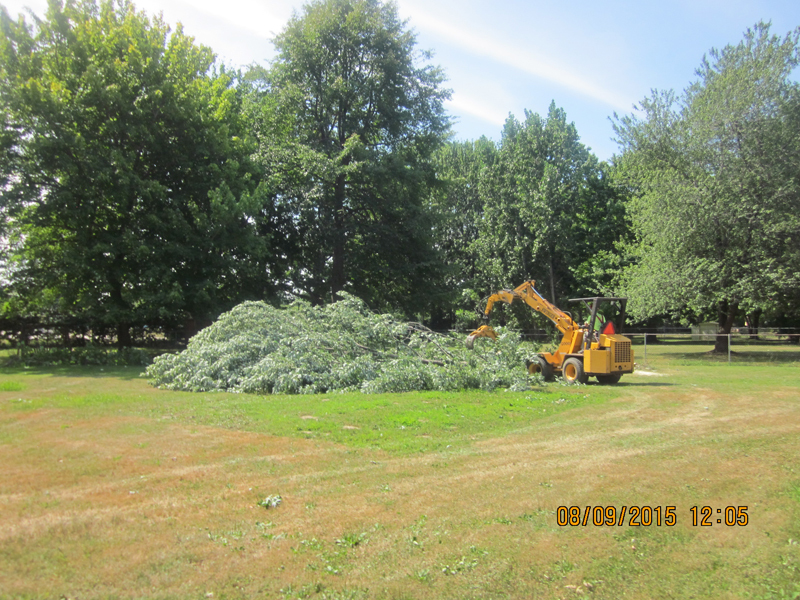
{"points": [[82, 371]]}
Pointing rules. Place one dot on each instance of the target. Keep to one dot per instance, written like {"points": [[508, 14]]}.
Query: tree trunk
{"points": [[752, 323], [123, 328], [124, 336], [337, 266], [552, 284], [727, 313]]}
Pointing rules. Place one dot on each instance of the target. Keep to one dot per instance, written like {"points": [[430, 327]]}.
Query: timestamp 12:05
{"points": [[707, 516]]}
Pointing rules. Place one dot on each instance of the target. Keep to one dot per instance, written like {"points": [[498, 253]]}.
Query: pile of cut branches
{"points": [[257, 348]]}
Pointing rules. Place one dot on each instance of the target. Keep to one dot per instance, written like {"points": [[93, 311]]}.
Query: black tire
{"points": [[541, 366], [573, 372], [610, 379]]}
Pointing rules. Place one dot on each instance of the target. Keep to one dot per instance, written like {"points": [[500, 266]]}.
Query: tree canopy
{"points": [[539, 205], [143, 184], [717, 205], [367, 113], [550, 205], [131, 191]]}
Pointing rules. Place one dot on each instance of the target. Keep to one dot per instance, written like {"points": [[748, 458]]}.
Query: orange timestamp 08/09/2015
{"points": [[646, 516]]}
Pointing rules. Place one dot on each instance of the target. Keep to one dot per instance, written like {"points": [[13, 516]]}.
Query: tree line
{"points": [[145, 185]]}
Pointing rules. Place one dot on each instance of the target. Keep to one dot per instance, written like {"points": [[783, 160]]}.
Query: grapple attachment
{"points": [[482, 331]]}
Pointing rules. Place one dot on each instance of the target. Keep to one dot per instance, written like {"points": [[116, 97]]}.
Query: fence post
{"points": [[645, 349], [729, 348]]}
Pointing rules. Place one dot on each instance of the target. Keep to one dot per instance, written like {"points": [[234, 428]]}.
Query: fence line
{"points": [[694, 337], [791, 336]]}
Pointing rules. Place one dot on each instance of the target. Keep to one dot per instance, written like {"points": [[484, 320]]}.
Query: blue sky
{"points": [[503, 57]]}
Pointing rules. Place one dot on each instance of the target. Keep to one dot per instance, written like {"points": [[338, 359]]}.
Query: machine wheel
{"points": [[573, 371], [540, 365], [609, 379]]}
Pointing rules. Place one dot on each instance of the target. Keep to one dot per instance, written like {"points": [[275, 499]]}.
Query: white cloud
{"points": [[16, 7], [239, 31], [262, 18], [537, 65], [469, 105]]}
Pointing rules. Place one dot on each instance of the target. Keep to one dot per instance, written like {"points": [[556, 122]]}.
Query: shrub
{"points": [[86, 355]]}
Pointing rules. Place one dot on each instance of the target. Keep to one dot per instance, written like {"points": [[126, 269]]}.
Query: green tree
{"points": [[716, 177], [132, 197], [458, 206], [366, 120], [538, 206], [549, 207]]}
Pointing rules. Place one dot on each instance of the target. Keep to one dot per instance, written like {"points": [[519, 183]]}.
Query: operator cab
{"points": [[606, 316]]}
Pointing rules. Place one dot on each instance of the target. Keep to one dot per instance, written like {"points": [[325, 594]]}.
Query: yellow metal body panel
{"points": [[621, 353], [597, 362], [609, 354], [570, 344], [577, 340]]}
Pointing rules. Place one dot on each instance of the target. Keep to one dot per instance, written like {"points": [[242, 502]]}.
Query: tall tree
{"points": [[133, 198], [540, 205], [716, 173], [549, 206], [367, 117], [458, 206]]}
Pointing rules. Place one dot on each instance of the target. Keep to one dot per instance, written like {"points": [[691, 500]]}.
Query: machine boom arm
{"points": [[528, 294], [573, 336]]}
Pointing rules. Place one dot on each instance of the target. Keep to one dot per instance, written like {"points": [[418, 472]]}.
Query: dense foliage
{"points": [[86, 355], [538, 205], [144, 187], [256, 348], [717, 176], [132, 194], [365, 114]]}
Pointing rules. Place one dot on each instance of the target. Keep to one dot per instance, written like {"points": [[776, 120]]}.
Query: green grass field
{"points": [[113, 489]]}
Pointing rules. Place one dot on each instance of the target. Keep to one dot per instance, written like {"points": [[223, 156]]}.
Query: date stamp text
{"points": [[647, 516]]}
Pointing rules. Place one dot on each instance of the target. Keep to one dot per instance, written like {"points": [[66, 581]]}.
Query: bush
{"points": [[86, 355], [257, 348]]}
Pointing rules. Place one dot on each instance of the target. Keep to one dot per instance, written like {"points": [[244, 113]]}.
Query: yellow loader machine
{"points": [[595, 349]]}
